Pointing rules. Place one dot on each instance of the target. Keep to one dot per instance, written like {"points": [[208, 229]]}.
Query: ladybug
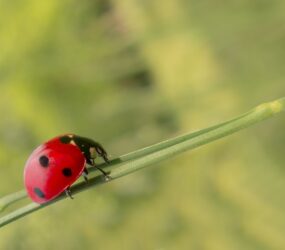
{"points": [[55, 165]]}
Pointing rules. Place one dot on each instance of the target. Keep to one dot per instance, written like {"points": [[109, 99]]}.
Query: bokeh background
{"points": [[131, 73]]}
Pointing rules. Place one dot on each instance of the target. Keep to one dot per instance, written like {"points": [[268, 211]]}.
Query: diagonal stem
{"points": [[131, 162], [12, 198]]}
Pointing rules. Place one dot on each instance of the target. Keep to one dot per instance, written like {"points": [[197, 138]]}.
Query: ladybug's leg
{"points": [[106, 175], [84, 174], [68, 193], [102, 152]]}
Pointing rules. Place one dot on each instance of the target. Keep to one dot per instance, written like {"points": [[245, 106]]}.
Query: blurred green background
{"points": [[131, 73]]}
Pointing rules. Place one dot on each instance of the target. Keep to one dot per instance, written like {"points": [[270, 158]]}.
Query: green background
{"points": [[131, 73]]}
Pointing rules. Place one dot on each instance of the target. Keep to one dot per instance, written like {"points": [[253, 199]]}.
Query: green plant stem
{"points": [[131, 162], [12, 198]]}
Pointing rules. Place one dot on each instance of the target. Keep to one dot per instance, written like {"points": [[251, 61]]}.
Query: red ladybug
{"points": [[56, 164]]}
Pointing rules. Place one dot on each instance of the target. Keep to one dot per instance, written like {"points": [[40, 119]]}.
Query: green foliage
{"points": [[132, 73]]}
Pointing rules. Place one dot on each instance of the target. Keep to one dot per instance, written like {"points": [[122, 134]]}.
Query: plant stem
{"points": [[12, 198], [153, 154]]}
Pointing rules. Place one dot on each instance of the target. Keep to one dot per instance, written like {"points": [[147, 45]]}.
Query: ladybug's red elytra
{"points": [[55, 165]]}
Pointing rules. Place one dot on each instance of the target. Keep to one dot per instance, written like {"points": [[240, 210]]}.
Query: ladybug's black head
{"points": [[88, 147]]}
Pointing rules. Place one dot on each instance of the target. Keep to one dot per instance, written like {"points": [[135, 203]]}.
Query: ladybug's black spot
{"points": [[65, 139], [39, 193], [67, 172], [44, 161]]}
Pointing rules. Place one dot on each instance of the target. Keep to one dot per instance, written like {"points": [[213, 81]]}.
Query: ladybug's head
{"points": [[87, 146]]}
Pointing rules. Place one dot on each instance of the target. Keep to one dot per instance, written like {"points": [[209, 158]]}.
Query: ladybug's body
{"points": [[58, 163]]}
